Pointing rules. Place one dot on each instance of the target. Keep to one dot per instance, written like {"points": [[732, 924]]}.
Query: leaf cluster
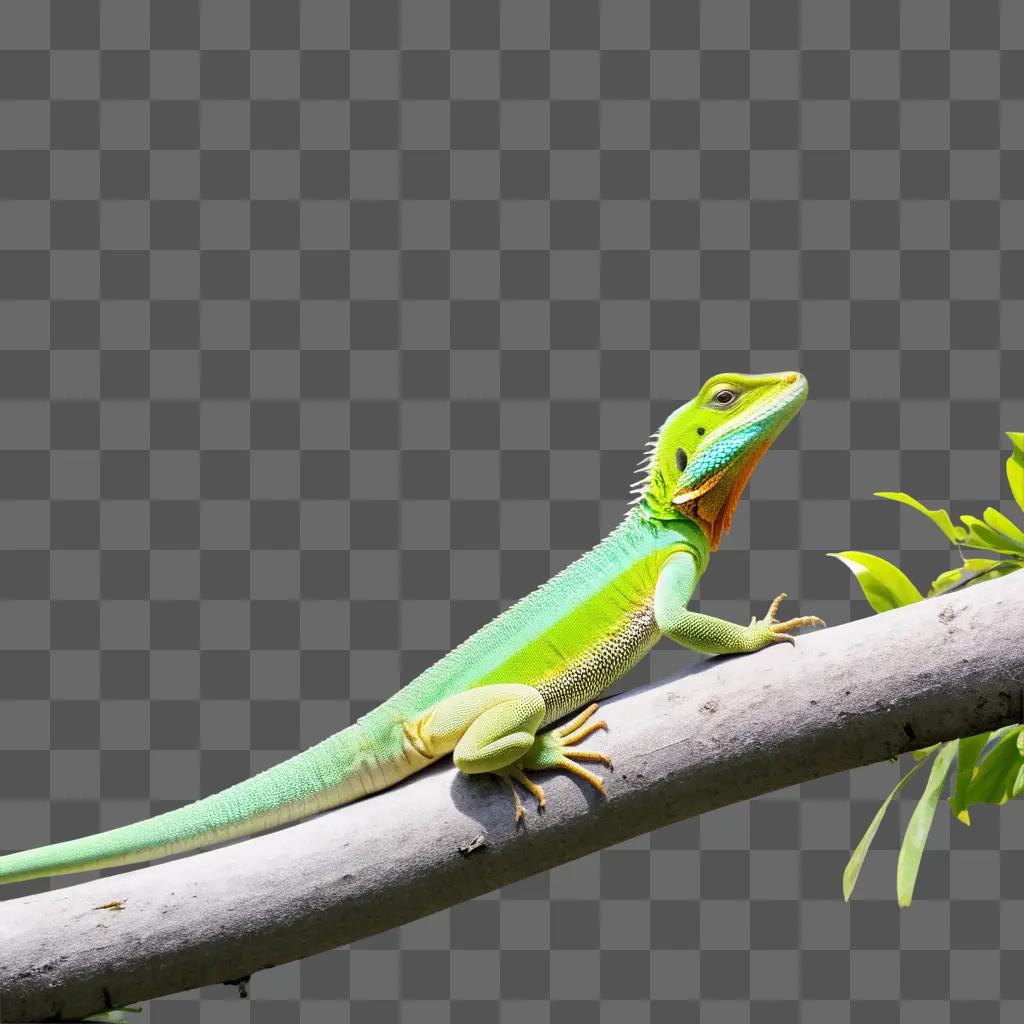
{"points": [[989, 766]]}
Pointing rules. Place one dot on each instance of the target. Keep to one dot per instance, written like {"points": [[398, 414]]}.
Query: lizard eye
{"points": [[681, 459], [724, 397]]}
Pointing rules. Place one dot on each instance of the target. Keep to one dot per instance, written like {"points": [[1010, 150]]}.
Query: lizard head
{"points": [[699, 461]]}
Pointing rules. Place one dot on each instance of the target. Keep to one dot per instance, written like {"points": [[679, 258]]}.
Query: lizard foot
{"points": [[779, 631], [557, 749]]}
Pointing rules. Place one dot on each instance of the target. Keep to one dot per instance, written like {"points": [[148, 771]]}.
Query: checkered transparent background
{"points": [[328, 329]]}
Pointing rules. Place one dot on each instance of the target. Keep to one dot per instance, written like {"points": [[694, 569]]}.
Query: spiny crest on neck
{"points": [[645, 469]]}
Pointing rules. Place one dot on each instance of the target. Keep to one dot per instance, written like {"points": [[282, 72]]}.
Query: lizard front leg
{"points": [[706, 633]]}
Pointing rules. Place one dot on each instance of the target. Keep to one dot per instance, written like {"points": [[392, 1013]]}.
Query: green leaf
{"points": [[885, 585], [968, 750], [856, 861], [993, 781], [920, 825], [923, 752], [981, 564], [1002, 525], [1001, 732], [974, 570], [1015, 467], [1008, 565], [1018, 783], [946, 580], [939, 516], [981, 535]]}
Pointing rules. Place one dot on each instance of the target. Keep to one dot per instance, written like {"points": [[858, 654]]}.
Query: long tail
{"points": [[339, 769]]}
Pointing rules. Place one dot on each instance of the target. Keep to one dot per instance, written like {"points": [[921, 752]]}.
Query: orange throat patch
{"points": [[711, 505]]}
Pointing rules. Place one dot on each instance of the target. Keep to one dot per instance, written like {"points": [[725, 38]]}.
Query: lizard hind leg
{"points": [[495, 726], [493, 729]]}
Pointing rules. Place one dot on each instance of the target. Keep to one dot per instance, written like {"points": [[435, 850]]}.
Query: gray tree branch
{"points": [[727, 730]]}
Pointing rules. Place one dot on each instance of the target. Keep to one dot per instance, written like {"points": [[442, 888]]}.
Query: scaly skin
{"points": [[552, 653]]}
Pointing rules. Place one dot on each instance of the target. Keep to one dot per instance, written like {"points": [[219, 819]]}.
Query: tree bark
{"points": [[725, 731]]}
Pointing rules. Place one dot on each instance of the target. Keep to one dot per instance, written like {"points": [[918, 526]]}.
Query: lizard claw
{"points": [[528, 784], [779, 631]]}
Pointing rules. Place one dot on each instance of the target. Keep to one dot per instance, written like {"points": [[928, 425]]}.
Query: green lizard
{"points": [[549, 654]]}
